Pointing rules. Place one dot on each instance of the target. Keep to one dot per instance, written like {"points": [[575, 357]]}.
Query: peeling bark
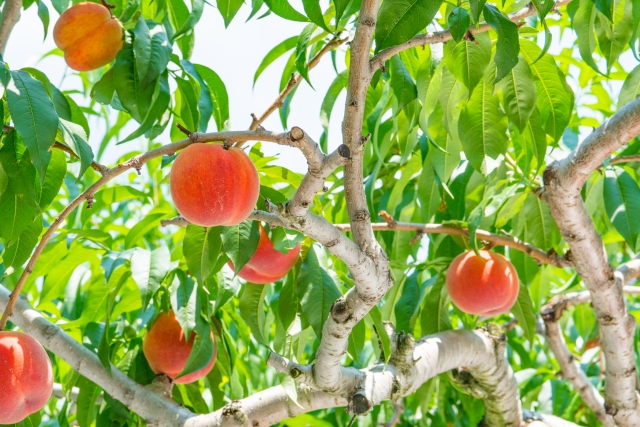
{"points": [[563, 182]]}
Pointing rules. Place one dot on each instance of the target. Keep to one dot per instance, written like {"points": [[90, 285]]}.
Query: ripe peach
{"points": [[89, 36], [26, 378], [211, 185], [268, 265], [486, 285], [167, 351]]}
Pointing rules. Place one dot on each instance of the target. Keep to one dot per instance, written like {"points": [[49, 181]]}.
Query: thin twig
{"points": [[397, 414], [625, 159], [442, 36]]}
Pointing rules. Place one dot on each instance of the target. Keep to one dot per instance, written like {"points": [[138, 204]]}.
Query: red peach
{"points": [[26, 378], [167, 351], [89, 36], [486, 285], [267, 265], [211, 185]]}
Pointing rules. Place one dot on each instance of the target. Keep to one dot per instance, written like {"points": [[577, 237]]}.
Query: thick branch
{"points": [[152, 407], [563, 182], [445, 35], [134, 163], [10, 17], [359, 79]]}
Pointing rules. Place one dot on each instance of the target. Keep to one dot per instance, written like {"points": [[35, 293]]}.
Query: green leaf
{"points": [[197, 7], [288, 301], [519, 94], [104, 89], [301, 51], [19, 252], [530, 144], [46, 193], [184, 301], [508, 45], [400, 20], [189, 114], [136, 100], [476, 7], [541, 229], [381, 332], [274, 54], [555, 97], [104, 348], [314, 12], [583, 23], [605, 7], [149, 222], [316, 291], [402, 83], [87, 396], [435, 315], [523, 311], [43, 14], [283, 9], [152, 51], [630, 88], [58, 276], [18, 202], [337, 86], [219, 96], [34, 117], [251, 308], [468, 60], [75, 138], [407, 305], [228, 9], [614, 36], [284, 240], [160, 102], [459, 22], [341, 7], [202, 351], [148, 269], [240, 242], [622, 203], [482, 129], [201, 248]]}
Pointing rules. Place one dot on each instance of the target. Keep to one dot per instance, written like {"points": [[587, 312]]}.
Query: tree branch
{"points": [[134, 163], [10, 17], [294, 81], [563, 181], [625, 159], [539, 255], [442, 36]]}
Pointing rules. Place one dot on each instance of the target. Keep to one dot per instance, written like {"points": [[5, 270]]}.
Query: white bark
{"points": [[563, 182]]}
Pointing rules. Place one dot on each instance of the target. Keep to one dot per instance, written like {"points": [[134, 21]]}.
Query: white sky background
{"points": [[234, 53]]}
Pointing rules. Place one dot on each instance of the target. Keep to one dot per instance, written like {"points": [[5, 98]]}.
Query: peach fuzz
{"points": [[211, 185], [486, 285], [167, 350], [89, 36], [26, 378], [268, 265]]}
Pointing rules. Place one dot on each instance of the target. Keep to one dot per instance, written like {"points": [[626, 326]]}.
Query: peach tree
{"points": [[468, 126]]}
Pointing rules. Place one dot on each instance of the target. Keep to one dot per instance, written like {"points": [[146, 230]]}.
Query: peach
{"points": [[167, 350], [486, 285], [267, 265], [89, 36], [26, 378], [212, 185]]}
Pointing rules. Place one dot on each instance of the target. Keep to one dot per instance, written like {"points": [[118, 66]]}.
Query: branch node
{"points": [[359, 404], [388, 219], [340, 311], [89, 202], [417, 237], [227, 144], [190, 134], [344, 151], [365, 138], [295, 372], [296, 134]]}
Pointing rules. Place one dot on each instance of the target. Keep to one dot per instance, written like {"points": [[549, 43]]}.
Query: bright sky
{"points": [[234, 53]]}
